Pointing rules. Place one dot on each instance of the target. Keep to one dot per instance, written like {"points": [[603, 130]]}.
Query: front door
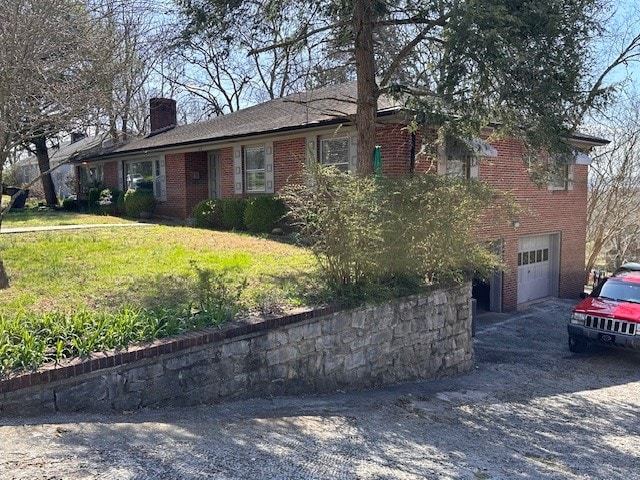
{"points": [[214, 175]]}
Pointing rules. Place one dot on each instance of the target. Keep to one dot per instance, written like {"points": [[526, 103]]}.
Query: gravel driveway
{"points": [[529, 410]]}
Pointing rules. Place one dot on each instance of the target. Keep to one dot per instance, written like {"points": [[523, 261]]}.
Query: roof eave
{"points": [[226, 138]]}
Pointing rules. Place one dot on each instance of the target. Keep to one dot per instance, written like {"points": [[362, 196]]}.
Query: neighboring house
{"points": [[64, 177], [258, 150]]}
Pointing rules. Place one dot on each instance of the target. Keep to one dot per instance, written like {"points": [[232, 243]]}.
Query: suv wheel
{"points": [[577, 345]]}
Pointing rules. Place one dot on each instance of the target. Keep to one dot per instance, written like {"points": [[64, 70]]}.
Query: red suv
{"points": [[610, 316]]}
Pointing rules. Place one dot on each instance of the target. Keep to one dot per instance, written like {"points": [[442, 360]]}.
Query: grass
{"points": [[107, 268], [31, 217], [73, 292]]}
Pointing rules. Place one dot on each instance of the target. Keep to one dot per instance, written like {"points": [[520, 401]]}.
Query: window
{"points": [[91, 177], [254, 169], [146, 174], [559, 176], [460, 167], [335, 151], [534, 256], [457, 159]]}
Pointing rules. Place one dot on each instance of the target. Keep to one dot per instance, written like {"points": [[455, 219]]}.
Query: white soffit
{"points": [[582, 159]]}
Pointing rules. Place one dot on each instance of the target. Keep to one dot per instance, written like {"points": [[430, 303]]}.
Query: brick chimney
{"points": [[162, 113]]}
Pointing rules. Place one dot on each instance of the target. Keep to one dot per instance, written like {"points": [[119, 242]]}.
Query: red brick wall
{"points": [[110, 171], [289, 157], [395, 146], [544, 212]]}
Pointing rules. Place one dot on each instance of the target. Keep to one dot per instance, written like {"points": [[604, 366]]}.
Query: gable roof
{"points": [[325, 106], [66, 151]]}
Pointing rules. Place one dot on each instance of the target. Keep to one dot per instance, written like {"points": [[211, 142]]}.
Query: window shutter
{"points": [[120, 176], [474, 170], [237, 169], [353, 153], [268, 167], [162, 180], [570, 176], [312, 150]]}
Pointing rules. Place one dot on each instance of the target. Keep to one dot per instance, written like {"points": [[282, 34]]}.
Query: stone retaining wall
{"points": [[420, 337]]}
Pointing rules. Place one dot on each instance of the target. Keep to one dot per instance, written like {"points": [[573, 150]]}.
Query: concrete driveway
{"points": [[529, 410]]}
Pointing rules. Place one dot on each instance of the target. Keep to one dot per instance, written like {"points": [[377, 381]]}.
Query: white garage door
{"points": [[534, 268]]}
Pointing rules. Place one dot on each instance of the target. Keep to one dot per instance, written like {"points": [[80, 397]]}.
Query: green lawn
{"points": [[74, 292], [31, 217], [105, 269]]}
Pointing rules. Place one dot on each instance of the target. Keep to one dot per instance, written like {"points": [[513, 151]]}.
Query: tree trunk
{"points": [[4, 278], [367, 89], [42, 154]]}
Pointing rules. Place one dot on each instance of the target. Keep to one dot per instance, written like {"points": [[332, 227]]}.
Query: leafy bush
{"points": [[208, 214], [108, 201], [139, 201], [93, 199], [373, 235], [263, 213], [217, 301], [120, 207], [144, 185], [28, 339], [70, 205], [233, 214]]}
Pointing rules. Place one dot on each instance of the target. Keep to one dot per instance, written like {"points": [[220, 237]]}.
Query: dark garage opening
{"points": [[481, 292]]}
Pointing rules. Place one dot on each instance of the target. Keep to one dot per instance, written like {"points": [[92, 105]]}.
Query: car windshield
{"points": [[622, 291]]}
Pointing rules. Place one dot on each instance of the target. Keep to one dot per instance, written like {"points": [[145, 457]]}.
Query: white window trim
{"points": [[257, 170], [471, 171], [158, 173], [568, 181], [327, 138]]}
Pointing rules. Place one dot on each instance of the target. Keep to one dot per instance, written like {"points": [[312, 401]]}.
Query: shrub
{"points": [[108, 201], [93, 199], [372, 234], [139, 201], [70, 205], [120, 203], [233, 214], [208, 214], [263, 213]]}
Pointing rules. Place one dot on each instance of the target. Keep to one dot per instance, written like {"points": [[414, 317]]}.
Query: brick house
{"points": [[258, 150]]}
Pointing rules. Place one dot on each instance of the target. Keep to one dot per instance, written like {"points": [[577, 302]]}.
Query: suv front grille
{"points": [[611, 325]]}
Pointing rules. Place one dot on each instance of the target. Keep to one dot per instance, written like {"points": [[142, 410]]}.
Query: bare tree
{"points": [[50, 77], [613, 211], [222, 66]]}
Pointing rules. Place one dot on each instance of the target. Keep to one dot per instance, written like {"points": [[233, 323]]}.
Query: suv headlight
{"points": [[578, 318]]}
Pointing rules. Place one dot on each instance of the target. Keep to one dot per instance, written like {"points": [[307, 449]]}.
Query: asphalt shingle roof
{"points": [[300, 110]]}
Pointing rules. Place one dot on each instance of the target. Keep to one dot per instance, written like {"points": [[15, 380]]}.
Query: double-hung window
{"points": [[559, 174], [255, 169], [334, 151], [460, 166]]}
